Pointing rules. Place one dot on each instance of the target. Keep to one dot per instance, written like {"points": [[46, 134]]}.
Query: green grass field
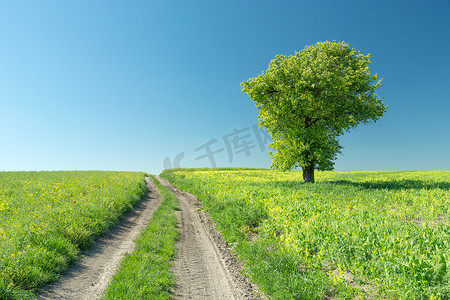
{"points": [[47, 217], [375, 235], [369, 235]]}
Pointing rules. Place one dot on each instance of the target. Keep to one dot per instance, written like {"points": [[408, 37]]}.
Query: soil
{"points": [[89, 276], [204, 267]]}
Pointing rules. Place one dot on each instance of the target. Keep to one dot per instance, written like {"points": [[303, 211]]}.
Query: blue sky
{"points": [[130, 85]]}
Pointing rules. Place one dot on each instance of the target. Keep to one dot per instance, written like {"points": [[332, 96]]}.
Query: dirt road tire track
{"points": [[203, 267], [88, 278]]}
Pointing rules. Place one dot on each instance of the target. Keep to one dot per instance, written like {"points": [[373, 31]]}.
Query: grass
{"points": [[46, 218], [145, 273], [369, 235]]}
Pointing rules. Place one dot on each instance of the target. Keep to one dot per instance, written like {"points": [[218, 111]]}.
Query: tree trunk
{"points": [[308, 173]]}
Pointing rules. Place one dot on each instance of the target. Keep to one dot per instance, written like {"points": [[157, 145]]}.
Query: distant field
{"points": [[47, 217], [376, 235]]}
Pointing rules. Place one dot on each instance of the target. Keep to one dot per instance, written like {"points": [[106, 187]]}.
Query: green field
{"points": [[369, 235], [47, 217], [376, 235]]}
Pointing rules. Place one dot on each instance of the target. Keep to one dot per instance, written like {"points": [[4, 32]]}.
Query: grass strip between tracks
{"points": [[145, 273]]}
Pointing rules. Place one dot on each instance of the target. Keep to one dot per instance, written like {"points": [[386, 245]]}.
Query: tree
{"points": [[307, 100]]}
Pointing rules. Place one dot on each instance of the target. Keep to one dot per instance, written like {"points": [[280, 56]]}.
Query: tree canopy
{"points": [[307, 100]]}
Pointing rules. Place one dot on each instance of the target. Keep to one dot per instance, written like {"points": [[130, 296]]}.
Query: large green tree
{"points": [[307, 100]]}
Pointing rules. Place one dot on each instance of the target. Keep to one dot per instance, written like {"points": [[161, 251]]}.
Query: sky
{"points": [[148, 85]]}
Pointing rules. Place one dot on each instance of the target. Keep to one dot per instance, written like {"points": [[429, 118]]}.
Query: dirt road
{"points": [[204, 268], [88, 278]]}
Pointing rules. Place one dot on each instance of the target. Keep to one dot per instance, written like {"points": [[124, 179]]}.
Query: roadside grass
{"points": [[351, 235], [46, 218], [145, 273]]}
